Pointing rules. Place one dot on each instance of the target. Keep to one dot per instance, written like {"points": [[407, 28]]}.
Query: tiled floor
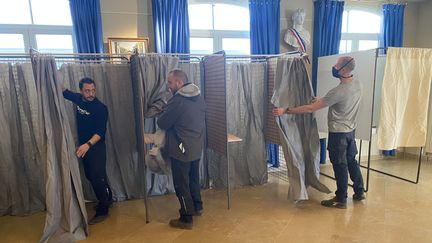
{"points": [[394, 211]]}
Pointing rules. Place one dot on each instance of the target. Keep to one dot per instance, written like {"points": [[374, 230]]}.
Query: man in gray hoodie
{"points": [[184, 122]]}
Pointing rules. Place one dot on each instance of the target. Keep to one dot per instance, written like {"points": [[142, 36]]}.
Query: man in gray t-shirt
{"points": [[343, 102]]}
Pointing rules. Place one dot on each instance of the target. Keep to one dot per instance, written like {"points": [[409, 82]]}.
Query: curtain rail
{"points": [[107, 57]]}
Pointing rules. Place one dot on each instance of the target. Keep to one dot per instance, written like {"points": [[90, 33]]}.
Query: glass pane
{"points": [[363, 22], [345, 22], [345, 46], [367, 44], [200, 17], [51, 12], [342, 46], [349, 46], [15, 12], [231, 17], [236, 46], [12, 43], [54, 43], [201, 45]]}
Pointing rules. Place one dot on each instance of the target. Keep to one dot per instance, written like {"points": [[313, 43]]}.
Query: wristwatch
{"points": [[287, 110], [89, 144]]}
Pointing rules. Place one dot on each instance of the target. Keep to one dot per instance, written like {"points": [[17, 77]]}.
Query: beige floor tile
{"points": [[394, 211]]}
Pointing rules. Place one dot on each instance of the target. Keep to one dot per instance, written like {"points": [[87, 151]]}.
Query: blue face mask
{"points": [[335, 72]]}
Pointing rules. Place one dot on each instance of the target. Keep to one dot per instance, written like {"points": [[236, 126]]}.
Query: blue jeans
{"points": [[343, 150]]}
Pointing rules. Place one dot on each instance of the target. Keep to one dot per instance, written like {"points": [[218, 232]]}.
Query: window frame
{"points": [[355, 38], [29, 32], [218, 35]]}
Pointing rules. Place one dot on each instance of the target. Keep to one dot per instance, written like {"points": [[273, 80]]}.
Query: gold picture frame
{"points": [[127, 46]]}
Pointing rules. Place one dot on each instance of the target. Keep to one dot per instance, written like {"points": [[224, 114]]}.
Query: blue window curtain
{"points": [[393, 21], [392, 35], [87, 25], [326, 40], [327, 32], [171, 26], [264, 37], [264, 26]]}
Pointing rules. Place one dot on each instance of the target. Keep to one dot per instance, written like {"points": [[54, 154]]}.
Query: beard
{"points": [[90, 98]]}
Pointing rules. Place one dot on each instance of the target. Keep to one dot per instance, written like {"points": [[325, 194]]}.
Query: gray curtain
{"points": [[38, 166], [149, 80], [246, 90], [66, 218], [193, 71], [114, 89], [22, 180], [299, 133]]}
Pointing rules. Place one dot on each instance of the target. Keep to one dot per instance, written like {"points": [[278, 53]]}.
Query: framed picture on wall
{"points": [[128, 45]]}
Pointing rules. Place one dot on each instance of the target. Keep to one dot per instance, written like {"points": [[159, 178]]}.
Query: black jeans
{"points": [[343, 150], [187, 187], [95, 170]]}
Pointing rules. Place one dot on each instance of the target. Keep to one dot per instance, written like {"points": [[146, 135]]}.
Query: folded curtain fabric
{"points": [[149, 78], [157, 158], [298, 132], [66, 218]]}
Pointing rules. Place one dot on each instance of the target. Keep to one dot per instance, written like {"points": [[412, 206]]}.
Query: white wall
{"points": [[424, 33], [127, 18], [145, 22], [411, 25]]}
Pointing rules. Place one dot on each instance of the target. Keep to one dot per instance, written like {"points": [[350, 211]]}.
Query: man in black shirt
{"points": [[92, 117]]}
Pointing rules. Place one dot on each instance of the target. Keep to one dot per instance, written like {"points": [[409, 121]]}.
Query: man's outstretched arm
{"points": [[314, 106]]}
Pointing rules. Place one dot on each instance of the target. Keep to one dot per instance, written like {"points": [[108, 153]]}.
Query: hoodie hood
{"points": [[189, 90]]}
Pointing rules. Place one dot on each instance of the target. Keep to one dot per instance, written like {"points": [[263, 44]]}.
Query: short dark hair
{"points": [[180, 74], [86, 81]]}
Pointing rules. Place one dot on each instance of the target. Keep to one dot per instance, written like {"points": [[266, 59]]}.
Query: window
{"points": [[360, 30], [236, 46], [219, 26], [202, 45], [11, 43], [54, 43], [26, 24], [15, 12]]}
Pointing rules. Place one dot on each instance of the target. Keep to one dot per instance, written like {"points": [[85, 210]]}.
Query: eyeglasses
{"points": [[89, 91]]}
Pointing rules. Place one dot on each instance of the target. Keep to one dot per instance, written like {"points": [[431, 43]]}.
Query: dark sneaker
{"points": [[95, 207], [177, 223], [197, 212], [97, 219], [359, 197], [333, 203]]}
